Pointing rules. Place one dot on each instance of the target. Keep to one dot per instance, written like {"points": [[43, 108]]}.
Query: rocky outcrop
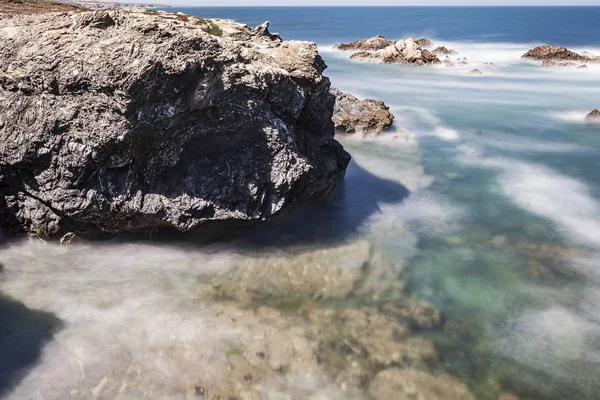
{"points": [[375, 43], [8, 7], [476, 72], [362, 117], [554, 56], [443, 50], [593, 116], [546, 52], [120, 121], [424, 43], [406, 51]]}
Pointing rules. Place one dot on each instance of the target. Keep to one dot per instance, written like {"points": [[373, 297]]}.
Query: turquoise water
{"points": [[504, 201], [509, 230]]}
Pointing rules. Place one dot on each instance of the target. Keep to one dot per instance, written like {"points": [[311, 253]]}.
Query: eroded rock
{"points": [[375, 43], [424, 43], [117, 121], [559, 56], [443, 50], [406, 51], [362, 117]]}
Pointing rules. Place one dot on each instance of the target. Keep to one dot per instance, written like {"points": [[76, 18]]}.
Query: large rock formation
{"points": [[362, 117], [119, 121], [406, 51]]}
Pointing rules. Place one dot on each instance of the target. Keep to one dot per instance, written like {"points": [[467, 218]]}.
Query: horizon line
{"points": [[387, 6]]}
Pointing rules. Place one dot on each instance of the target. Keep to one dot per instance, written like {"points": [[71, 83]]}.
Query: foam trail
{"points": [[574, 117], [541, 191]]}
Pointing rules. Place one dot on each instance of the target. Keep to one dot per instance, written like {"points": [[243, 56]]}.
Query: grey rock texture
{"points": [[405, 51], [443, 50], [554, 56], [361, 117], [375, 43], [115, 121]]}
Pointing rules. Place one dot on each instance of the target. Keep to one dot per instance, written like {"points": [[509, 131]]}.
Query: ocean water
{"points": [[492, 205]]}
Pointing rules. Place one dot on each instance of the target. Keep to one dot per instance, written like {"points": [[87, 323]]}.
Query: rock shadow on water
{"points": [[355, 199], [23, 334]]}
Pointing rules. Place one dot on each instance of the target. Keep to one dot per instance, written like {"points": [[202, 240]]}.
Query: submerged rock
{"points": [[375, 43], [406, 51], [362, 117], [117, 121], [417, 385], [321, 305], [416, 314], [593, 116], [328, 273], [547, 261], [555, 63], [368, 338], [296, 280]]}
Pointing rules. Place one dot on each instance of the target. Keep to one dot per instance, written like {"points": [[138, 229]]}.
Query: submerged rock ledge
{"points": [[122, 121]]}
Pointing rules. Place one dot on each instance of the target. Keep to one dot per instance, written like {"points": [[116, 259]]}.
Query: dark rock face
{"points": [[124, 121], [375, 43], [362, 117], [593, 116], [546, 52]]}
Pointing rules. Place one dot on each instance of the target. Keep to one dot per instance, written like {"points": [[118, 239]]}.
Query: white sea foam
{"points": [[540, 190], [546, 339], [573, 116], [525, 144]]}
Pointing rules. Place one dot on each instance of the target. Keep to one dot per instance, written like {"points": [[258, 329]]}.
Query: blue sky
{"points": [[374, 2]]}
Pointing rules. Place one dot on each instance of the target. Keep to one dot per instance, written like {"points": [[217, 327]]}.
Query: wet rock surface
{"points": [[117, 121], [544, 261], [339, 316], [366, 117]]}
